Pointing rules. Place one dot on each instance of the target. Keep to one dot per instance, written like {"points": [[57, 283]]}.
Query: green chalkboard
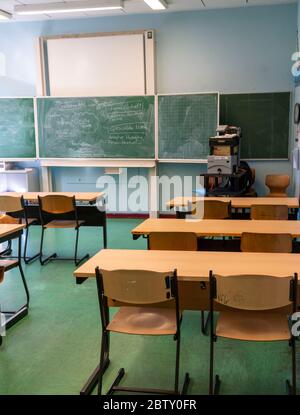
{"points": [[185, 123], [264, 119], [100, 127], [17, 132]]}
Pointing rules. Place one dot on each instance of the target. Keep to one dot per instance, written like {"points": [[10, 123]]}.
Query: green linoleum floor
{"points": [[55, 348]]}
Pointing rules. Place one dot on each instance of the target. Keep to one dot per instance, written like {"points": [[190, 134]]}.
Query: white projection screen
{"points": [[99, 64]]}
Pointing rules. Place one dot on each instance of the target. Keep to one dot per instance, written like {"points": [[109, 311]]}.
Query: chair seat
{"points": [[253, 325], [6, 219], [144, 320], [63, 224], [8, 264]]}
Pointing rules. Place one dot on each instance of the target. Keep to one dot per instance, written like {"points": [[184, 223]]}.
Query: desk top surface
{"points": [[237, 202], [218, 227], [6, 230], [192, 266], [79, 196]]}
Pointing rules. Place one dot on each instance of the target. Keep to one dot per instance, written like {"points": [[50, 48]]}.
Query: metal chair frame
{"points": [[12, 317], [104, 355], [44, 221], [214, 380], [21, 214]]}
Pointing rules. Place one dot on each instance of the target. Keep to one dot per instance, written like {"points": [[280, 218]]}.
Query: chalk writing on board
{"points": [[117, 127]]}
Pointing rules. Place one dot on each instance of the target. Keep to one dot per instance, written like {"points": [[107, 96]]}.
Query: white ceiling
{"points": [[139, 7]]}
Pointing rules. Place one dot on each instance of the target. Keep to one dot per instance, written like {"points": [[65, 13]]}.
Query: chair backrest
{"points": [[277, 183], [216, 209], [173, 241], [266, 242], [253, 292], [57, 204], [269, 212], [11, 204], [139, 286]]}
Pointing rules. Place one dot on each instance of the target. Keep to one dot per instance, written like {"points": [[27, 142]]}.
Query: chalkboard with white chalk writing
{"points": [[99, 127], [17, 133]]}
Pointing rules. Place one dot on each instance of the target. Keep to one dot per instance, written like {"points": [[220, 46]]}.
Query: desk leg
{"points": [[21, 269], [294, 214], [105, 232]]}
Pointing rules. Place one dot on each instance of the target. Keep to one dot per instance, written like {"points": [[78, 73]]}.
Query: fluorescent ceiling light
{"points": [[157, 4], [70, 7], [5, 15]]}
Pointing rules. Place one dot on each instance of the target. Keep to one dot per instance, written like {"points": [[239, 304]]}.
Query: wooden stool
{"points": [[277, 183]]}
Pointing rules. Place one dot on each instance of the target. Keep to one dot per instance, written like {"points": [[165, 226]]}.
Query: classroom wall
{"points": [[231, 50], [297, 97]]}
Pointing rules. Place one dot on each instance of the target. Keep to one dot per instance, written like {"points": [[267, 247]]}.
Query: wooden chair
{"points": [[212, 209], [136, 288], [52, 208], [172, 241], [266, 242], [217, 209], [252, 310], [278, 184], [269, 212], [15, 212]]}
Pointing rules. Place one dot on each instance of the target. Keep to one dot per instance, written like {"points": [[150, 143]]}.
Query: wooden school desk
{"points": [[238, 202], [183, 203], [217, 227], [192, 270], [87, 210], [8, 233], [90, 197]]}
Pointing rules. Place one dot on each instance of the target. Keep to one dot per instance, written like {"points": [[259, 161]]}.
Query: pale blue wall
{"points": [[233, 50], [297, 98]]}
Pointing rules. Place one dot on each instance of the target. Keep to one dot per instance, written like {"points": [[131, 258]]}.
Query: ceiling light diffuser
{"points": [[157, 4], [5, 15], [70, 7]]}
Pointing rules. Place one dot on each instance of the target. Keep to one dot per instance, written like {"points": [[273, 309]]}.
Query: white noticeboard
{"points": [[98, 65]]}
